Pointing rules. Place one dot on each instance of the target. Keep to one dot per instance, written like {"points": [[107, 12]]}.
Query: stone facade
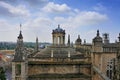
{"points": [[59, 61]]}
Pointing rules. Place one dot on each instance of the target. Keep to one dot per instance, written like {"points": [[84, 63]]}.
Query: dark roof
{"points": [[58, 53], [59, 30], [97, 38], [78, 40], [20, 35]]}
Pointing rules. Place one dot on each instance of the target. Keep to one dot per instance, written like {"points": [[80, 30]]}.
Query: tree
{"points": [[2, 74]]}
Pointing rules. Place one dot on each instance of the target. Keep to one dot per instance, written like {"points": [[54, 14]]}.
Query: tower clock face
{"points": [[18, 69]]}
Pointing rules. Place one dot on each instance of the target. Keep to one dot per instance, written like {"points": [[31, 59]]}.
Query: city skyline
{"points": [[40, 17]]}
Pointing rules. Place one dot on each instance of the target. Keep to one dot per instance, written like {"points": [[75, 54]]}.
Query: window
{"points": [[18, 69]]}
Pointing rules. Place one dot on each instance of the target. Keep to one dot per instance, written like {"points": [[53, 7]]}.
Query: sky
{"points": [[77, 17]]}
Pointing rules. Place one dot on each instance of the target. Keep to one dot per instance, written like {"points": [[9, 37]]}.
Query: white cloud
{"points": [[6, 26], [8, 31], [56, 8], [19, 10], [38, 27], [99, 7], [41, 23], [82, 19], [42, 26]]}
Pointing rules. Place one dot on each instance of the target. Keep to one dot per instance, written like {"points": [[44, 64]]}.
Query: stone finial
{"points": [[37, 45], [20, 35], [51, 53], [78, 36], [98, 34], [84, 41], [119, 37], [68, 54], [20, 26], [68, 40], [58, 25]]}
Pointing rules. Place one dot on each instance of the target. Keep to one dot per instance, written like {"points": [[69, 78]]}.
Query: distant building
{"points": [[61, 61]]}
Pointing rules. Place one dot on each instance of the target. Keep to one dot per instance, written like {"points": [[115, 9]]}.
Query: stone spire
{"points": [[78, 36], [37, 45], [119, 38], [19, 47], [68, 40], [20, 35], [58, 25]]}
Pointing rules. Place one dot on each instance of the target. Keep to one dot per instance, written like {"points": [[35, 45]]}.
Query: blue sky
{"points": [[77, 17]]}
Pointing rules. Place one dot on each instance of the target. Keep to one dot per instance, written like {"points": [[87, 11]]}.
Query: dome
{"points": [[58, 30], [97, 38], [78, 40]]}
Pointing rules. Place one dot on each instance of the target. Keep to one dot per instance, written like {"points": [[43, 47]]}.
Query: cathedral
{"points": [[66, 61]]}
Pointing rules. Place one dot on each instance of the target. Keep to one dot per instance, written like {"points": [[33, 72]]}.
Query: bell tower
{"points": [[19, 63]]}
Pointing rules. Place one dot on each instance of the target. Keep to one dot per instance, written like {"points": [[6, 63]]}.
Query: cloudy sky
{"points": [[77, 17]]}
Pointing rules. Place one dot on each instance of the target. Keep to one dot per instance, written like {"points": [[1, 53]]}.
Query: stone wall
{"points": [[57, 69], [100, 60], [62, 79]]}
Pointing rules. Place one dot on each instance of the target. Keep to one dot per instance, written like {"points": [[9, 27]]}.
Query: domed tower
{"points": [[58, 36], [78, 42], [97, 43]]}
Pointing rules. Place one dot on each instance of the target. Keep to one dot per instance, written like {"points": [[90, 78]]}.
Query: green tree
{"points": [[2, 74]]}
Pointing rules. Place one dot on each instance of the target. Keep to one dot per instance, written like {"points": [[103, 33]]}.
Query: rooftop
{"points": [[58, 30]]}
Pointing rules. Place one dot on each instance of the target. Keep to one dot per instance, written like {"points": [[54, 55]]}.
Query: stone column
{"points": [[13, 71], [51, 55], [23, 75], [61, 40], [56, 40], [68, 55], [53, 40]]}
